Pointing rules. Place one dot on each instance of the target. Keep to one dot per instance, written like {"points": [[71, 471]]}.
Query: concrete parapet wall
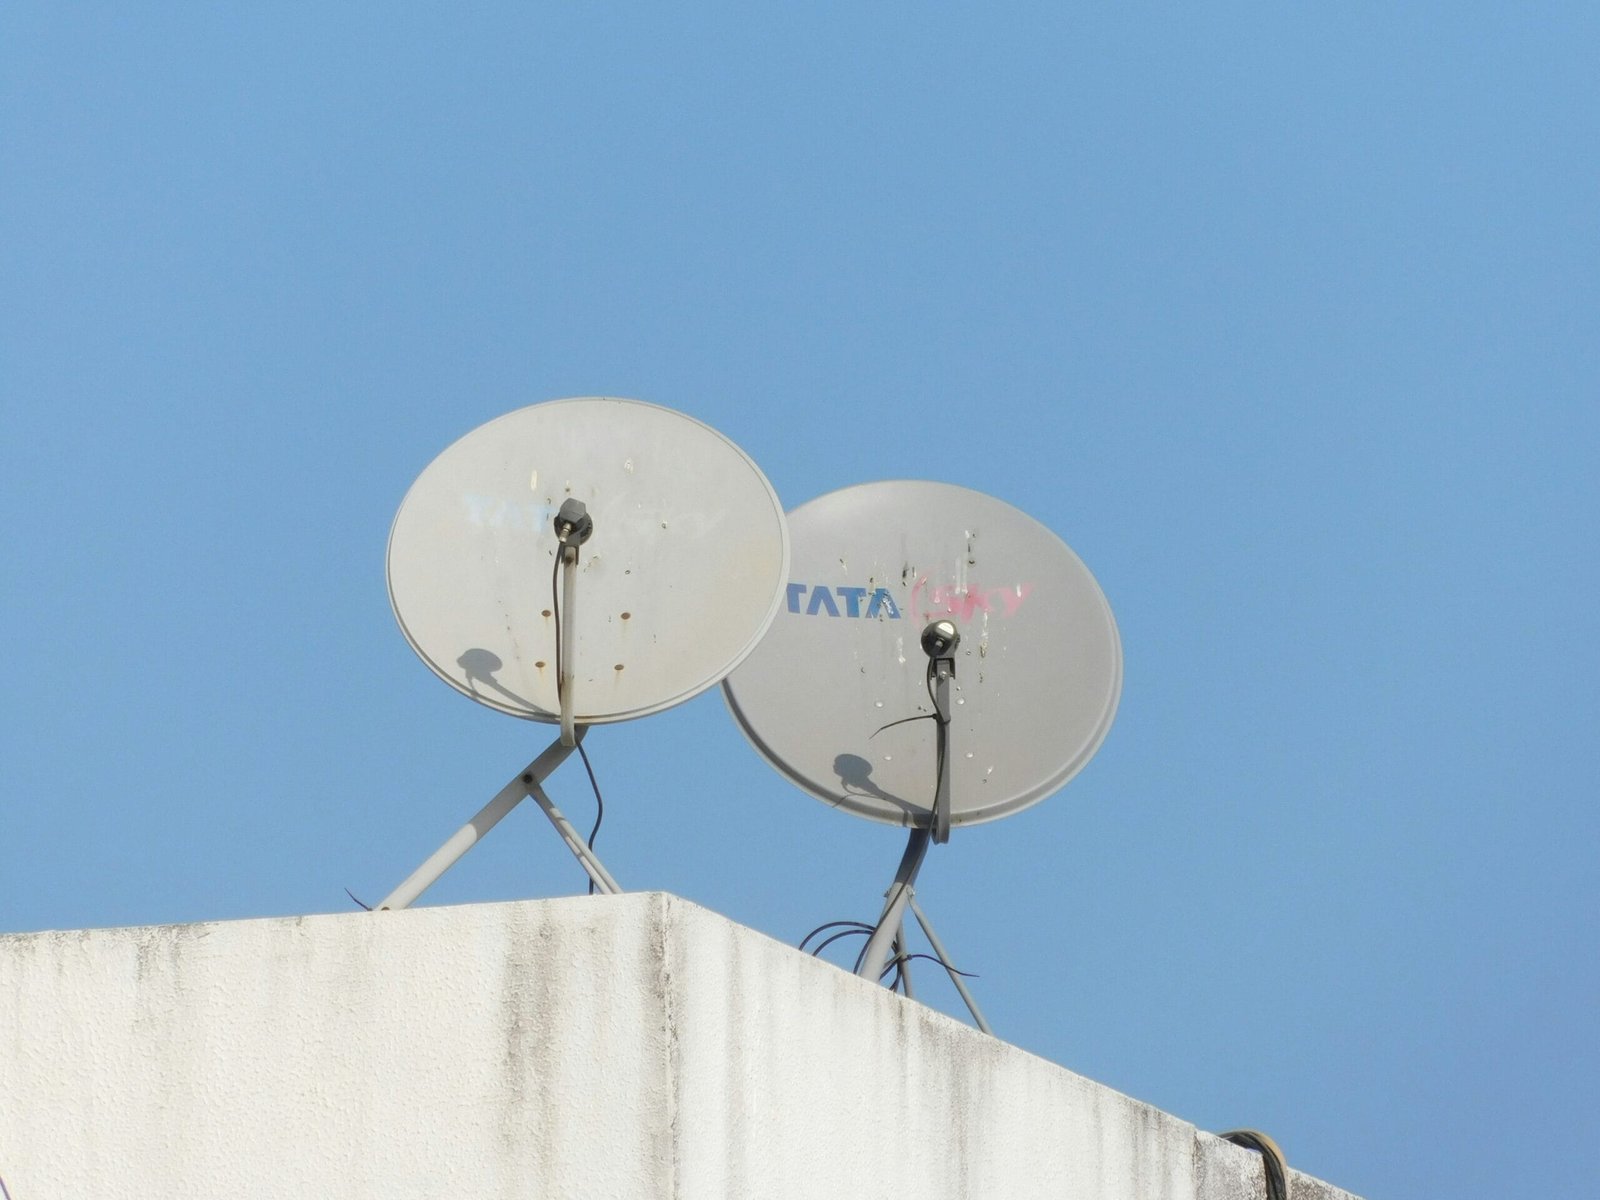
{"points": [[630, 1046]]}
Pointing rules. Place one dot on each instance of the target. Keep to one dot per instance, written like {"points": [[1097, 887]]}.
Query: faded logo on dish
{"points": [[497, 512], [926, 602]]}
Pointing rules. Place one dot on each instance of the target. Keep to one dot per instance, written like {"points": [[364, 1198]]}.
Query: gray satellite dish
{"points": [[631, 548], [680, 577], [941, 659]]}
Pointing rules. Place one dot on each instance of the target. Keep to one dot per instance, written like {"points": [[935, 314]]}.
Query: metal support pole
{"points": [[943, 670], [938, 948], [897, 897], [587, 859], [569, 622], [486, 819], [902, 954]]}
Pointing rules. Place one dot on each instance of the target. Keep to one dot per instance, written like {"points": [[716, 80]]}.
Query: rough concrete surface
{"points": [[629, 1046]]}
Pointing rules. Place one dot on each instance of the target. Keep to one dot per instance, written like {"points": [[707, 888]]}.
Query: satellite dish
{"points": [[679, 578], [1037, 671], [941, 659], [582, 562]]}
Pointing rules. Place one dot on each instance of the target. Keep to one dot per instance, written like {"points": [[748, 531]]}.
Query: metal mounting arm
{"points": [[569, 613], [573, 527], [528, 782], [889, 936], [939, 641], [876, 955], [944, 670]]}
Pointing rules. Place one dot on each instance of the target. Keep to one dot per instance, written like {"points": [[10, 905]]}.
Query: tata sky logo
{"points": [[926, 603], [854, 599]]}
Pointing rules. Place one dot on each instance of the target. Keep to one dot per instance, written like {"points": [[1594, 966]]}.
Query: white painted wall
{"points": [[629, 1046]]}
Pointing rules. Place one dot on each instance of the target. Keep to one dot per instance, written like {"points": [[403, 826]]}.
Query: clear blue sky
{"points": [[1285, 318]]}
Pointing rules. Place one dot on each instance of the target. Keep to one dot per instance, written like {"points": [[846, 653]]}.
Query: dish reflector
{"points": [[831, 695], [682, 574]]}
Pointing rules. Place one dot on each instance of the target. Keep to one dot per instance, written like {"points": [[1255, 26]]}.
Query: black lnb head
{"points": [[940, 639], [573, 524]]}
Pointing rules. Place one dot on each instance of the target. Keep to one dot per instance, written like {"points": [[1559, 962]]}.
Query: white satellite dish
{"points": [[941, 659], [629, 549], [679, 579]]}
